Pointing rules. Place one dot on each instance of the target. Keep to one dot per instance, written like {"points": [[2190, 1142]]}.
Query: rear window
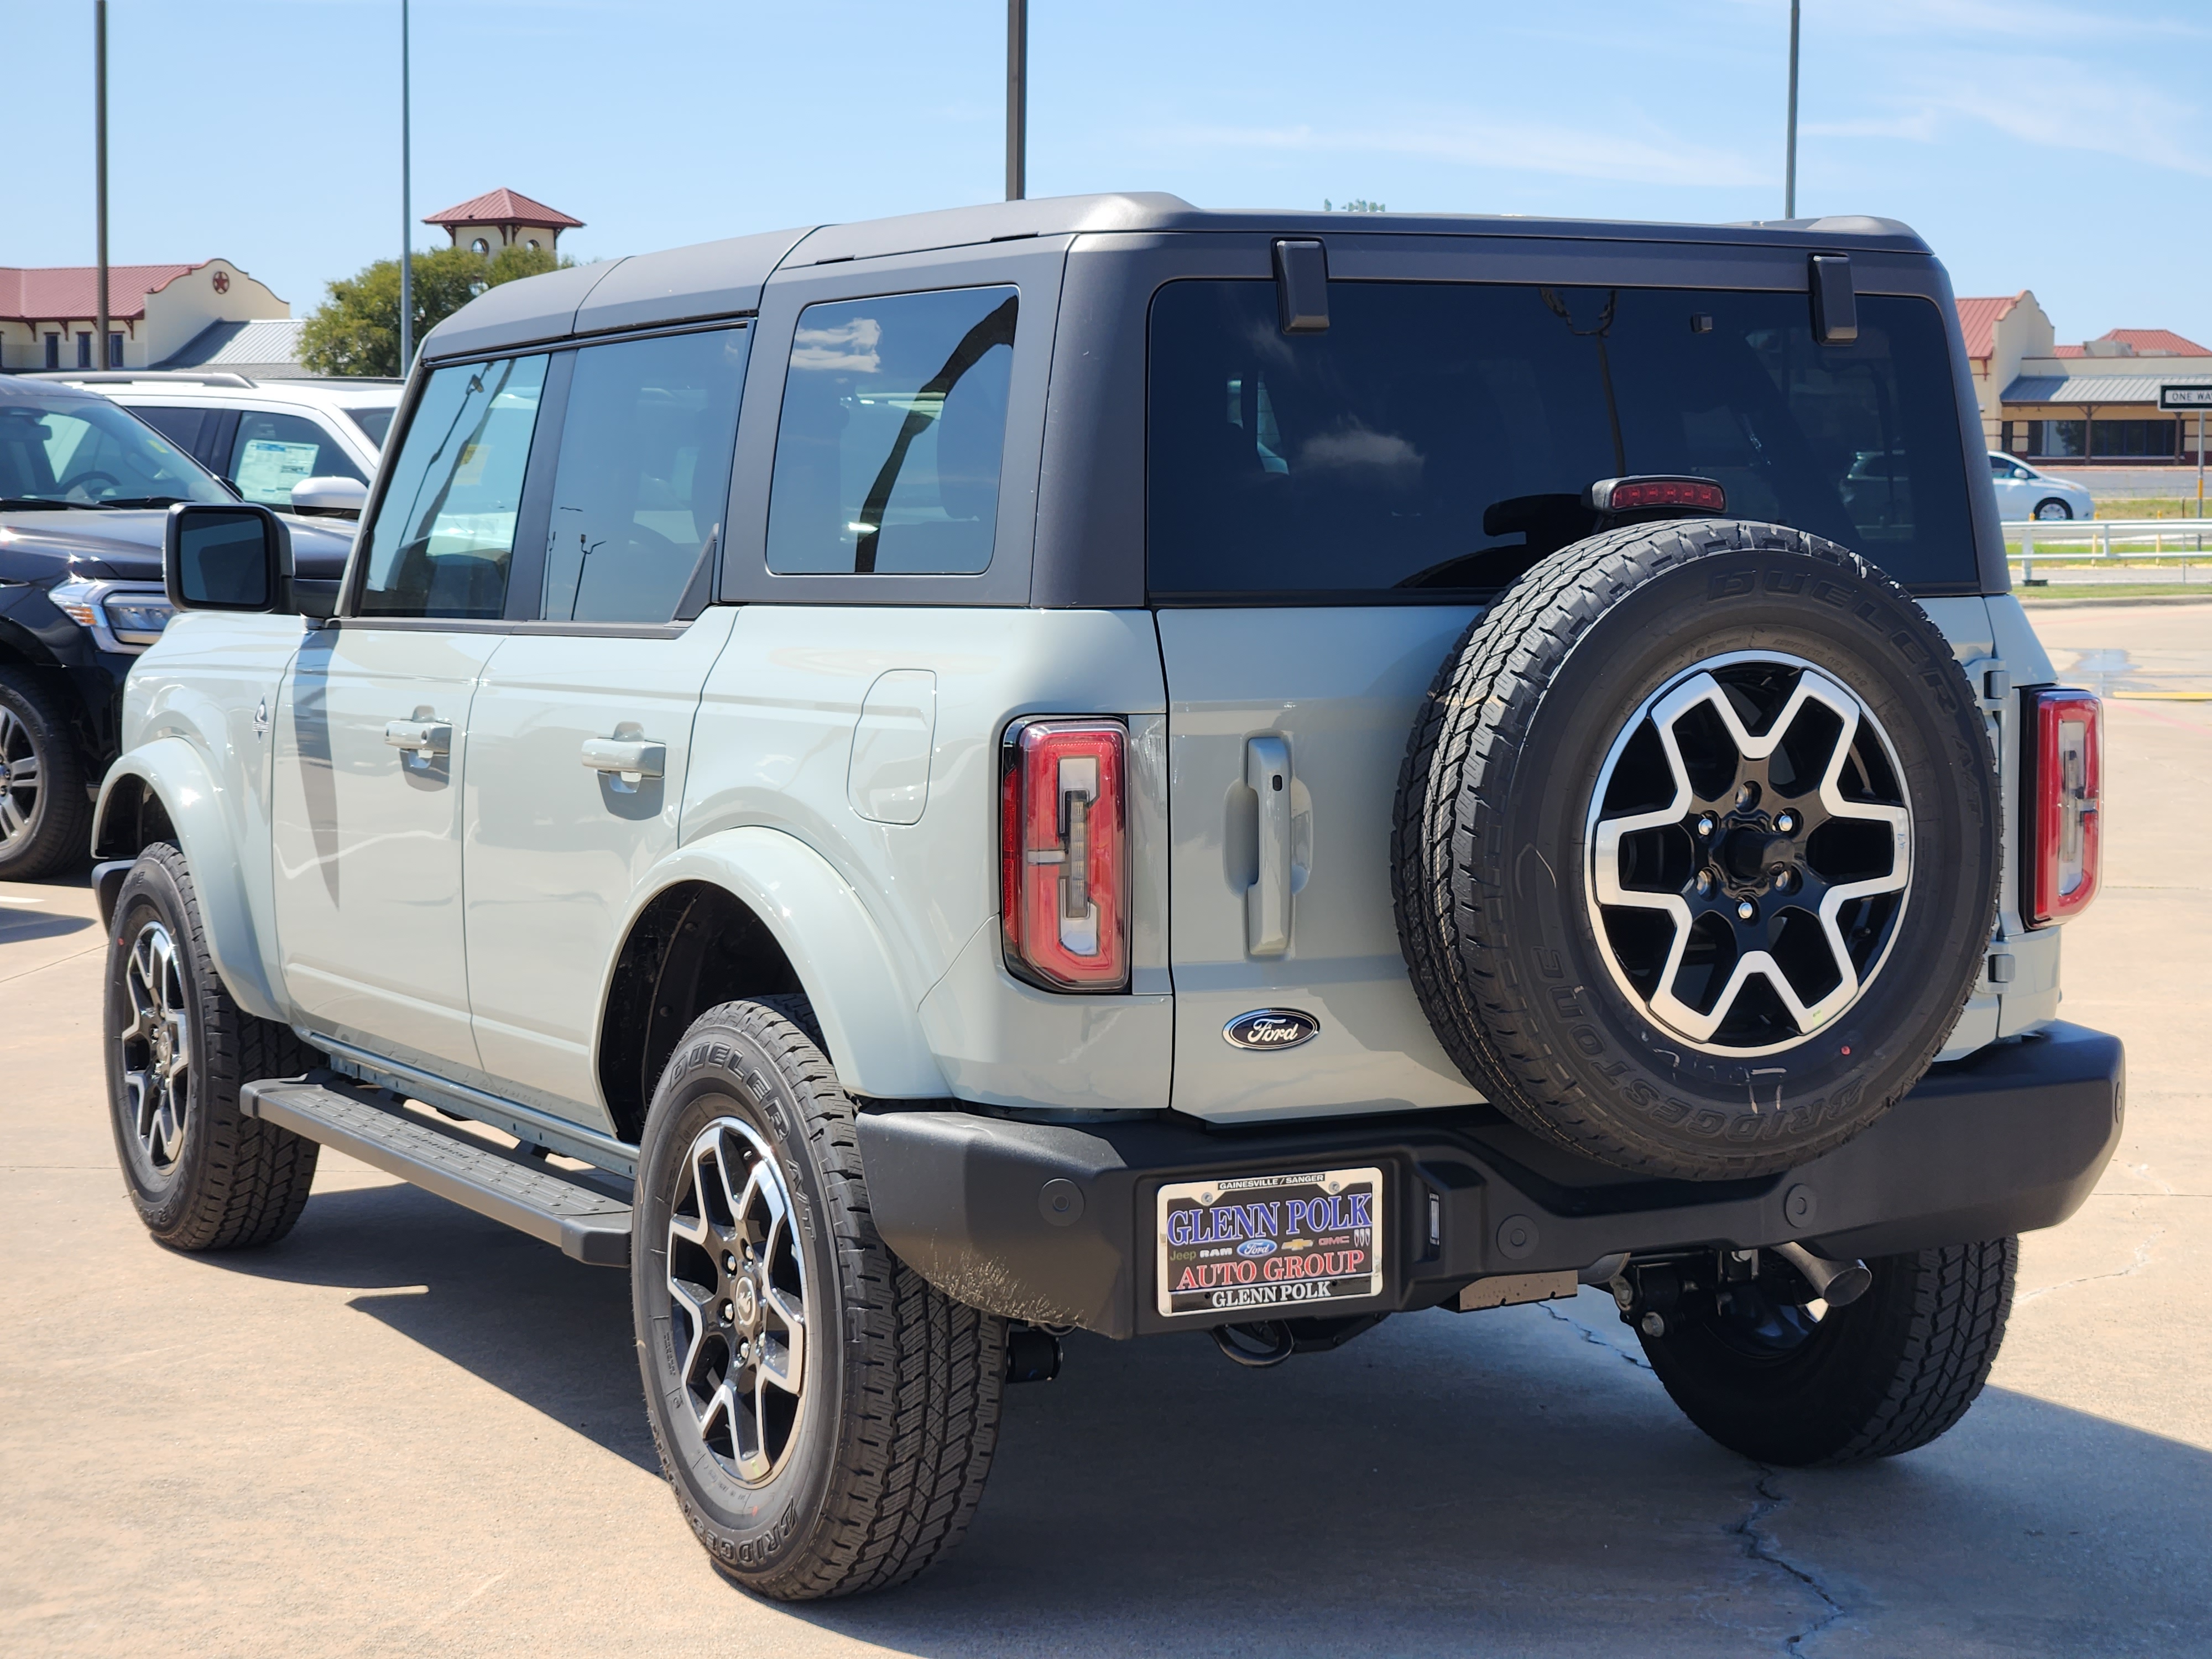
{"points": [[1438, 438]]}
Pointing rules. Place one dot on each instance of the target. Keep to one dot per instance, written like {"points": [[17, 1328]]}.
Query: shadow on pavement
{"points": [[1512, 1481], [18, 926]]}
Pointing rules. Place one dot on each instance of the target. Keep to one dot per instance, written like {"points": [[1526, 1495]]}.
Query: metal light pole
{"points": [[1018, 99], [406, 212], [1789, 183], [100, 169]]}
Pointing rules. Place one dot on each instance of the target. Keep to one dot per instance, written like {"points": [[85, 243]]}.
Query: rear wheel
{"points": [[202, 1176], [43, 813], [1784, 1383], [825, 1417], [2053, 508]]}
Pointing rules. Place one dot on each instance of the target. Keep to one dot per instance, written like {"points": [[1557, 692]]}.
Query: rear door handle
{"points": [[426, 737], [626, 755], [1267, 900]]}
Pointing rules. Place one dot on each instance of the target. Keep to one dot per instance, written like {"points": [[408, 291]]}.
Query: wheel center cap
{"points": [[1753, 849], [746, 1301]]}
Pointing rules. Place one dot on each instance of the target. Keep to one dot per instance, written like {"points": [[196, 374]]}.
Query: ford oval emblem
{"points": [[1271, 1028], [1256, 1247]]}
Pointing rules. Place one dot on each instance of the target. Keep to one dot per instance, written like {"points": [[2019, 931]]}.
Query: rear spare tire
{"points": [[1696, 857]]}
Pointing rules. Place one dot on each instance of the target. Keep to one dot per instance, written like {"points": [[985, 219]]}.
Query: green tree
{"points": [[356, 331]]}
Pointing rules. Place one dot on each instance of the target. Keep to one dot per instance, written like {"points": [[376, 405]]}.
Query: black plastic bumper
{"points": [[1054, 1223]]}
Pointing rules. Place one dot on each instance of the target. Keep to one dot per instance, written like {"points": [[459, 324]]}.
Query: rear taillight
{"points": [[1063, 862], [2064, 748]]}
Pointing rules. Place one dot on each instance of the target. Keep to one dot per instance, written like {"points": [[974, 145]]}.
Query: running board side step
{"points": [[556, 1205]]}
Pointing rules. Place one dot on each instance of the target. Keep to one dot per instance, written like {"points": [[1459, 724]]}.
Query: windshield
{"points": [[84, 451], [1440, 435]]}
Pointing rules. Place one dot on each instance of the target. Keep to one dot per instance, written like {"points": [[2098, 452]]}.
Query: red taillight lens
{"points": [[1063, 863], [1631, 495], [2064, 745]]}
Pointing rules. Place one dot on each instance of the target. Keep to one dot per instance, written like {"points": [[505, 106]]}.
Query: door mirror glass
{"points": [[223, 558]]}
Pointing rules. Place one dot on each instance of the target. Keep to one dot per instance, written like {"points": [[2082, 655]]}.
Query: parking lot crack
{"points": [[2143, 1258], [1759, 1545], [1596, 1337]]}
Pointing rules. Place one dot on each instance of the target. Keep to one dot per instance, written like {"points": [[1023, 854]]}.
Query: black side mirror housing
{"points": [[232, 557]]}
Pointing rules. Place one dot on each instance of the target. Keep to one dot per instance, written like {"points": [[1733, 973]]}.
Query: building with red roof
{"points": [[2088, 404], [48, 314], [502, 219]]}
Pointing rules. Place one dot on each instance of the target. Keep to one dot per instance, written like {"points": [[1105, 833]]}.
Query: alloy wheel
{"points": [[19, 777], [157, 1047], [736, 1286], [1750, 854]]}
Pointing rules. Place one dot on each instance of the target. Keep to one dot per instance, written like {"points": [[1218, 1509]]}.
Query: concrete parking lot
{"points": [[405, 1430]]}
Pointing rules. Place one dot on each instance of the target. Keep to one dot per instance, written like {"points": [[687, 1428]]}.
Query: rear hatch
{"points": [[1328, 509]]}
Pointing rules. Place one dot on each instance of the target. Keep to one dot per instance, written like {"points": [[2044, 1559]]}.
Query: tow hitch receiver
{"points": [[1654, 1293]]}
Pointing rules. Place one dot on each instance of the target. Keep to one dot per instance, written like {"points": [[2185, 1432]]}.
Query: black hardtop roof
{"points": [[724, 278]]}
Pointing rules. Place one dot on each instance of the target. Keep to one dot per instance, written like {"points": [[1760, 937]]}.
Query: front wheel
{"points": [[825, 1417], [202, 1176], [1884, 1375], [2053, 510]]}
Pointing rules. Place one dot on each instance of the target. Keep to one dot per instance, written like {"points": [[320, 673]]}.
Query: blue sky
{"points": [[2036, 143]]}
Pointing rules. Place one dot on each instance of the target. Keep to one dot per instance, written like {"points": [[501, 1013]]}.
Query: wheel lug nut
{"points": [[1745, 910], [1786, 823], [1704, 881], [1705, 825], [730, 1262], [729, 1313]]}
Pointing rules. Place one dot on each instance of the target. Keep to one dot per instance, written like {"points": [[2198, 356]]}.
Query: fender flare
{"points": [[175, 772], [869, 1019]]}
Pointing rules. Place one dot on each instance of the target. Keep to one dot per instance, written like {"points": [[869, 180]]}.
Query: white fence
{"points": [[2116, 541]]}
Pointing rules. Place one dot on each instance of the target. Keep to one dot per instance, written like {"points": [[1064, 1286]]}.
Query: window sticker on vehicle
{"points": [[1278, 1241], [267, 469]]}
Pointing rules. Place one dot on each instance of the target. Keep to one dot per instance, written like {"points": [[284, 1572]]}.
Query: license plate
{"points": [[1297, 1243]]}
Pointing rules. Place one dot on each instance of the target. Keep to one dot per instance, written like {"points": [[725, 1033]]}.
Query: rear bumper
{"points": [[2007, 1141]]}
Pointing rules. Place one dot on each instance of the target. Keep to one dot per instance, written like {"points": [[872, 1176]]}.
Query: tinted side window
{"points": [[643, 475], [445, 534], [376, 422], [1440, 435], [272, 452], [181, 426], [894, 420]]}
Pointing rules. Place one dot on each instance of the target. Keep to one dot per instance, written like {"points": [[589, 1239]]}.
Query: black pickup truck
{"points": [[84, 487]]}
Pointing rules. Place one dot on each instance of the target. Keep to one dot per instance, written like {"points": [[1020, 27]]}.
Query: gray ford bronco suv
{"points": [[1090, 764]]}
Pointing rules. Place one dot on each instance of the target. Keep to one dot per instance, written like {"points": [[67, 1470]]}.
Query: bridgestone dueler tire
{"points": [[1490, 850], [1886, 1375], [239, 1182], [901, 1384]]}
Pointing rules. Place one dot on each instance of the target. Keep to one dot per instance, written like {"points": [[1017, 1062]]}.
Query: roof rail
{"points": [[125, 376]]}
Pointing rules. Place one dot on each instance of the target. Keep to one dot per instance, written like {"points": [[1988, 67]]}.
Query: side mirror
{"points": [[330, 498], [236, 557]]}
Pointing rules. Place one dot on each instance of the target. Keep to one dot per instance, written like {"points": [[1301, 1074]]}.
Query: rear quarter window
{"points": [[1438, 438], [893, 429]]}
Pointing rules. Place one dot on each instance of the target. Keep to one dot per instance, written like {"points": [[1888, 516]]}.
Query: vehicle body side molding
{"points": [[177, 774], [834, 945]]}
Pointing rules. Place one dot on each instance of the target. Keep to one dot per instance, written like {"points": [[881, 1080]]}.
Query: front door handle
{"points": [[427, 739], [1268, 900], [628, 755]]}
